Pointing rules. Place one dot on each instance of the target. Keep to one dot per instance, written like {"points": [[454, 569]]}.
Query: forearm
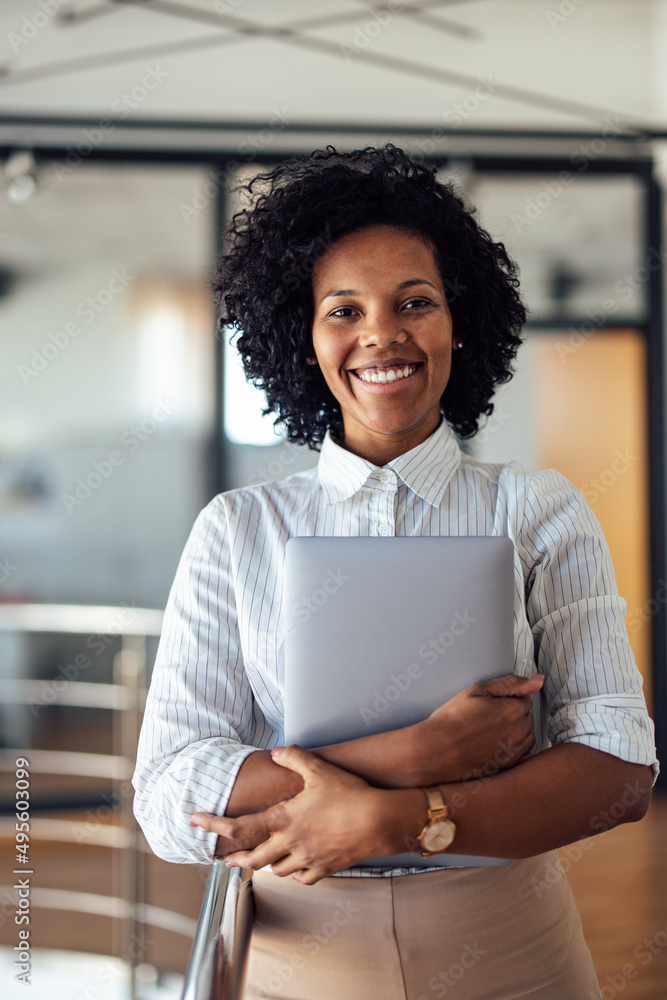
{"points": [[261, 783], [485, 722], [384, 760], [567, 792]]}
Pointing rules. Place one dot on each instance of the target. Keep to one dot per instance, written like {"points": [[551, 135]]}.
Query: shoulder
{"points": [[234, 519], [558, 527], [508, 481], [541, 510], [540, 492], [550, 496]]}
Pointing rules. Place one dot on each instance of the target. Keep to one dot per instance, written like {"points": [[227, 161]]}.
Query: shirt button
{"points": [[385, 477], [384, 529]]}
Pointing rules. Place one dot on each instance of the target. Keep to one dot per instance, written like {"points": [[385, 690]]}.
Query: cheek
{"points": [[331, 355]]}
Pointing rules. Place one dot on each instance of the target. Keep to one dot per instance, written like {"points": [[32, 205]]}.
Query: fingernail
{"points": [[276, 751]]}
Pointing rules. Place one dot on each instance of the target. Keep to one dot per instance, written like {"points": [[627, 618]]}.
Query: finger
{"points": [[240, 859], [264, 854], [245, 830], [496, 688], [523, 731], [517, 708], [523, 705], [286, 866], [520, 748], [307, 876], [298, 759], [534, 683], [509, 686], [528, 747], [530, 741], [526, 686]]}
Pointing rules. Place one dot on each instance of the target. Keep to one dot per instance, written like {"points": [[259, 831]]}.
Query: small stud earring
{"points": [[311, 361], [459, 343]]}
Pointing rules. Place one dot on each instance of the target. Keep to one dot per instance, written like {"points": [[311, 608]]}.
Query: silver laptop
{"points": [[381, 631]]}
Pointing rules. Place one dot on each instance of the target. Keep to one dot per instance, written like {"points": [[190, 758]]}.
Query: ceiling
{"points": [[469, 64], [102, 215]]}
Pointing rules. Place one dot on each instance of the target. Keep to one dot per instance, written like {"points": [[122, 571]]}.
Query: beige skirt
{"points": [[467, 933]]}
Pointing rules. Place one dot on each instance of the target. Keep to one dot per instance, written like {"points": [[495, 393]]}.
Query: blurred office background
{"points": [[123, 129]]}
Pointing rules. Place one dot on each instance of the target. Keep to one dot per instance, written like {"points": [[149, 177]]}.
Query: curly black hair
{"points": [[261, 282]]}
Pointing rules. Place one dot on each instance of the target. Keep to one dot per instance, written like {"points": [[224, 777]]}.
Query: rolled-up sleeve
{"points": [[200, 715], [593, 688]]}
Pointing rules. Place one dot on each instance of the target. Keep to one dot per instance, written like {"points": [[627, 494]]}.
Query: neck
{"points": [[384, 448]]}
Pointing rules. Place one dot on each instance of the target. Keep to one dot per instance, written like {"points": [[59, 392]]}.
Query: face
{"points": [[380, 309]]}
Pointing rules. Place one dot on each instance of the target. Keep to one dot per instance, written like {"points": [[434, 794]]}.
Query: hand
{"points": [[489, 723], [336, 821]]}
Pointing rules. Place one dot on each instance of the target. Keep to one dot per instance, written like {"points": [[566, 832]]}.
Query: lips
{"points": [[385, 386], [385, 365]]}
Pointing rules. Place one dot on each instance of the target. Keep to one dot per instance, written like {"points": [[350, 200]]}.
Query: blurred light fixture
{"points": [[21, 174], [161, 367], [172, 321]]}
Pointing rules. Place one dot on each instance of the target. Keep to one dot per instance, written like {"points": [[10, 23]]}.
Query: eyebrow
{"points": [[399, 288]]}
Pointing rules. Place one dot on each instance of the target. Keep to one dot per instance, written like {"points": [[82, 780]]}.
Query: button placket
{"points": [[387, 525]]}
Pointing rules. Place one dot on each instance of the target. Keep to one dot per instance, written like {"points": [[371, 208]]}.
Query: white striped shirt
{"points": [[216, 692]]}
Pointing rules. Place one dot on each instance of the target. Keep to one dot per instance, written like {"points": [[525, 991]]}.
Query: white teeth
{"points": [[391, 375]]}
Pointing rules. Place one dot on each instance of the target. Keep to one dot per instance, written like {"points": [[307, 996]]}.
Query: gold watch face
{"points": [[439, 835]]}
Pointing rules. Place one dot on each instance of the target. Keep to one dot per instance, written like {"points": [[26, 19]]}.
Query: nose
{"points": [[381, 328]]}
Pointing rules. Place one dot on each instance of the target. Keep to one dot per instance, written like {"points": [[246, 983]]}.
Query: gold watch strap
{"points": [[436, 804]]}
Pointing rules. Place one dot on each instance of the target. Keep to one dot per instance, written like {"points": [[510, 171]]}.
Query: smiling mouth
{"points": [[383, 376]]}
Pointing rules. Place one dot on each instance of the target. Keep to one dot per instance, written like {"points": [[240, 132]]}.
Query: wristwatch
{"points": [[439, 830]]}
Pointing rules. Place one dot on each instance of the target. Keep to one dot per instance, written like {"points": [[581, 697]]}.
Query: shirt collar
{"points": [[426, 469]]}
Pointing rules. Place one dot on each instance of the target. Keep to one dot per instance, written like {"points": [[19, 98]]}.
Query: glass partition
{"points": [[578, 402], [107, 383]]}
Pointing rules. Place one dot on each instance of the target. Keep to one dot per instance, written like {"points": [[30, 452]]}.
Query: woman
{"points": [[379, 318]]}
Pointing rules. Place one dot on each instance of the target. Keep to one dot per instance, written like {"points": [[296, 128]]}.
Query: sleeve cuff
{"points": [[192, 783], [617, 732]]}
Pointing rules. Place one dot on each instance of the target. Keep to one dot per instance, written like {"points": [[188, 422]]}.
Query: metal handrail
{"points": [[217, 965], [216, 970], [80, 619], [132, 626]]}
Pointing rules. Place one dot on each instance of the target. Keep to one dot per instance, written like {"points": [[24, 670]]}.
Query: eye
{"points": [[341, 309], [417, 303]]}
